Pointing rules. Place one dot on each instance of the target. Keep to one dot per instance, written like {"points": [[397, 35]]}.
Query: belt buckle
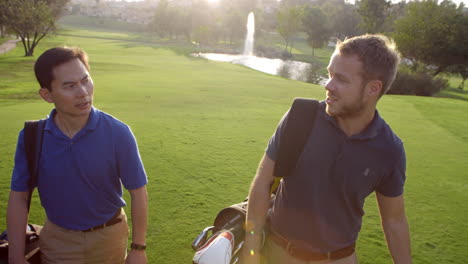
{"points": [[328, 255]]}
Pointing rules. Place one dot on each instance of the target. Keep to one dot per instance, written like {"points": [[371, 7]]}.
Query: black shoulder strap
{"points": [[298, 126], [33, 134]]}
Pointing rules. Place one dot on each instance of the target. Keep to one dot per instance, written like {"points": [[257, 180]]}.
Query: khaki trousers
{"points": [[275, 254], [64, 246]]}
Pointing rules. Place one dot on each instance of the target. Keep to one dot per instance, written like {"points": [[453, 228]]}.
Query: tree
{"points": [[181, 23], [394, 12], [161, 19], [314, 22], [203, 19], [436, 35], [343, 19], [202, 36], [233, 24], [31, 20], [373, 14], [2, 23], [289, 23], [462, 70], [294, 2], [233, 18]]}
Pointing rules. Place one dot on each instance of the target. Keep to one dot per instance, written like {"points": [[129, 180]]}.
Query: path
{"points": [[8, 45]]}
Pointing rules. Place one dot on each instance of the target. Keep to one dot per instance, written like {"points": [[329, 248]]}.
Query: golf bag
{"points": [[33, 135], [227, 233], [31, 251]]}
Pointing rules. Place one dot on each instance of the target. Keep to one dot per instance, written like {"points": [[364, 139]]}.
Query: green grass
{"points": [[202, 127], [453, 92]]}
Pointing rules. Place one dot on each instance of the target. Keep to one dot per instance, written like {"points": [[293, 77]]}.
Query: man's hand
{"points": [[136, 257]]}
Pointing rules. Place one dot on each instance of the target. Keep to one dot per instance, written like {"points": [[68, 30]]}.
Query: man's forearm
{"points": [[139, 215], [259, 202], [398, 240], [17, 218]]}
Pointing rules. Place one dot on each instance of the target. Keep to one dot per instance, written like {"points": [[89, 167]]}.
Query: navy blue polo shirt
{"points": [[80, 179], [319, 207]]}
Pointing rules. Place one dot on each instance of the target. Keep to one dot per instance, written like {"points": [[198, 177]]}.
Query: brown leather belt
{"points": [[307, 255], [114, 220]]}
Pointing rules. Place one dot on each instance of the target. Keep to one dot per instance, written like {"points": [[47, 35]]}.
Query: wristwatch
{"points": [[137, 246]]}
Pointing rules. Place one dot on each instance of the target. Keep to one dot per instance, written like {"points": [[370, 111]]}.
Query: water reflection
{"points": [[295, 70]]}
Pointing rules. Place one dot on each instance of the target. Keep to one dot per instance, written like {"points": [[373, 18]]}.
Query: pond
{"points": [[295, 70]]}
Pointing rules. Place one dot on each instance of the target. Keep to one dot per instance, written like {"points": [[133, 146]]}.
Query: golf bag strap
{"points": [[33, 135], [298, 126]]}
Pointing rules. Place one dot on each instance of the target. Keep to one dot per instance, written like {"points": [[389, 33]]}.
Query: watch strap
{"points": [[136, 246]]}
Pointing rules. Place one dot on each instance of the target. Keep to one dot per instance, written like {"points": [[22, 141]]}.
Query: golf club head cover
{"points": [[217, 250]]}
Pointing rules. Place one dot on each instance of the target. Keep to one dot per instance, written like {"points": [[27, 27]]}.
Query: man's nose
{"points": [[329, 85], [83, 89]]}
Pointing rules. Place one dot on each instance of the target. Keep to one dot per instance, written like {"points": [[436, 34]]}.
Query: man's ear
{"points": [[374, 87], [45, 94]]}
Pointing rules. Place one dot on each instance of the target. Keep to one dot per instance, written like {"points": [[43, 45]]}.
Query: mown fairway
{"points": [[202, 127]]}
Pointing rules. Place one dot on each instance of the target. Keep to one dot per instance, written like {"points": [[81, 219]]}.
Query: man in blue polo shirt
{"points": [[87, 155], [350, 153]]}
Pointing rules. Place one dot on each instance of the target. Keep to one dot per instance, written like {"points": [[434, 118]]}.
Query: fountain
{"points": [[249, 39], [295, 70]]}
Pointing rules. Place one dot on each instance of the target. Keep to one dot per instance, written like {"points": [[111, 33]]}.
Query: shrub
{"points": [[418, 83]]}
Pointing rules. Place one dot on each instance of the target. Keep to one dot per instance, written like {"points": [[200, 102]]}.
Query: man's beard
{"points": [[349, 110]]}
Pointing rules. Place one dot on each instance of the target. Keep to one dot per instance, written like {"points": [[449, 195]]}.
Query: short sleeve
{"points": [[129, 163], [20, 176], [392, 184], [274, 143]]}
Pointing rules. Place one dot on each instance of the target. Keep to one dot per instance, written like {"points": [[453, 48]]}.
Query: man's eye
{"points": [[341, 79]]}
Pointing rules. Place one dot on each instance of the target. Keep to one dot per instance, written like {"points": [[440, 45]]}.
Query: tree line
{"points": [[432, 36]]}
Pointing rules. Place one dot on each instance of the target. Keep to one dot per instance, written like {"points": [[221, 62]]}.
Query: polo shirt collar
{"points": [[90, 125], [370, 132], [372, 129]]}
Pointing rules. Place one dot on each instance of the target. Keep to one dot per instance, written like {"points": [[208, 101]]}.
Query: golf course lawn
{"points": [[202, 127]]}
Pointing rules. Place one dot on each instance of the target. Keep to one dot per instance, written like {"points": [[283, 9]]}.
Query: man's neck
{"points": [[70, 125], [353, 125]]}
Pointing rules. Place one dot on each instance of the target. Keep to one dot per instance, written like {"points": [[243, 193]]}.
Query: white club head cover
{"points": [[217, 250]]}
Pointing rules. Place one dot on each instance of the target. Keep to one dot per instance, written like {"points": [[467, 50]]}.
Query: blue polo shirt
{"points": [[319, 207], [80, 179]]}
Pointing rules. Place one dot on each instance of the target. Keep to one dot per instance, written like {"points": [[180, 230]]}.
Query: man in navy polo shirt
{"points": [[87, 155], [350, 153]]}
